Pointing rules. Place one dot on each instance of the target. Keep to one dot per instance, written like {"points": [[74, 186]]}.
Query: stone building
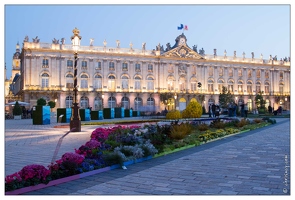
{"points": [[165, 77]]}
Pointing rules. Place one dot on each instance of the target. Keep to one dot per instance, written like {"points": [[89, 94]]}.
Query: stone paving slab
{"points": [[251, 164]]}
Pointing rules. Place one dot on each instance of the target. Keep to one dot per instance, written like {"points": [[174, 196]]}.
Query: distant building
{"points": [[155, 79]]}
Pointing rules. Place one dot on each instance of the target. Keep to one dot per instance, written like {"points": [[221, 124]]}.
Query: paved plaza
{"points": [[252, 163]]}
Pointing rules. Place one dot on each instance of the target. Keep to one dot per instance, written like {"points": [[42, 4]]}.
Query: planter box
{"points": [[84, 114], [66, 112], [109, 113], [128, 113], [119, 112], [41, 115], [97, 115]]}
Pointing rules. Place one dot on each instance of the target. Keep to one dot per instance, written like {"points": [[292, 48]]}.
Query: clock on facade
{"points": [[181, 41]]}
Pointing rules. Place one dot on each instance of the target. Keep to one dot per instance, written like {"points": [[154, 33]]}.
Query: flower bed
{"points": [[110, 148]]}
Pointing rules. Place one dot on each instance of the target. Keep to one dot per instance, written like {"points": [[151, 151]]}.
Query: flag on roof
{"points": [[185, 27]]}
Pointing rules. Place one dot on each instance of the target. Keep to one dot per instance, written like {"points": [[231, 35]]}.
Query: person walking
{"points": [[213, 110], [210, 110], [246, 110]]}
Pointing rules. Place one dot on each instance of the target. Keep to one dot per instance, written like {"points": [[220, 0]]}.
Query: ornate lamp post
{"points": [[75, 124]]}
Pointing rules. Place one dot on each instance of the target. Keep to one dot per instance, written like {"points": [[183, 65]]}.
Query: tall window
{"points": [[266, 87], [267, 74], [137, 67], [137, 103], [220, 84], [210, 85], [249, 73], [258, 87], [84, 102], [112, 102], [150, 102], [249, 87], [45, 63], [125, 66], [69, 64], [150, 83], [281, 75], [97, 103], [124, 82], [220, 71], [230, 72], [125, 103], [150, 68], [45, 80], [240, 73], [230, 86], [137, 81], [84, 65], [170, 83], [98, 65], [69, 81], [111, 82], [281, 88], [69, 101], [210, 71], [240, 86], [194, 84], [182, 84], [258, 73], [97, 83], [111, 66], [84, 81]]}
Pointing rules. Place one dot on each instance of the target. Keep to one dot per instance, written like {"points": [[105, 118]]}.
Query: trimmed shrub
{"points": [[193, 110], [173, 114]]}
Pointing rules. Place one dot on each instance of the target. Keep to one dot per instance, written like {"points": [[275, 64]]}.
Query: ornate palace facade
{"points": [[144, 79]]}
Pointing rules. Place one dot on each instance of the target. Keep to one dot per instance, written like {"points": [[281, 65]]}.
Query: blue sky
{"points": [[242, 28]]}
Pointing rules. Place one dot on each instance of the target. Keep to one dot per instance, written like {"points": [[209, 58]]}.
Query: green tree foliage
{"points": [[259, 101], [41, 102], [193, 110], [225, 97], [173, 114], [51, 104], [17, 110]]}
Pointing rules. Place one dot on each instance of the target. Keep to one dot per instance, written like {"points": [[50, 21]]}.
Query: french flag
{"points": [[185, 27]]}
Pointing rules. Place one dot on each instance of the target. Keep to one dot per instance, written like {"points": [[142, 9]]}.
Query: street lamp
{"points": [[75, 124]]}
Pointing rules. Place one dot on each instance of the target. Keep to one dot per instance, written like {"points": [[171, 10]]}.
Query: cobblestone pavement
{"points": [[251, 163]]}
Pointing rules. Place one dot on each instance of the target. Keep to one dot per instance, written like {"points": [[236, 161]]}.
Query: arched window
{"points": [[97, 83], [281, 88], [45, 80], [193, 84], [210, 85], [182, 86], [125, 102], [258, 87], [112, 102], [84, 102], [266, 87], [137, 85], [249, 87], [69, 101], [97, 103], [151, 104], [137, 103], [230, 86], [240, 86], [220, 84], [124, 82], [111, 82], [170, 83], [84, 81], [69, 81], [150, 83]]}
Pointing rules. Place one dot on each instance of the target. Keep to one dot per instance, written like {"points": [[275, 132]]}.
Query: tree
{"points": [[259, 101], [225, 98], [41, 102], [51, 104], [193, 110], [17, 110]]}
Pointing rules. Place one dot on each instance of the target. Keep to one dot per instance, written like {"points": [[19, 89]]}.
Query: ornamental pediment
{"points": [[182, 52]]}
